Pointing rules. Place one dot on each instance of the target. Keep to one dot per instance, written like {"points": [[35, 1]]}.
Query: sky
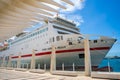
{"points": [[97, 17]]}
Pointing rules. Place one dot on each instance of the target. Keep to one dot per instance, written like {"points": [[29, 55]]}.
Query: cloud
{"points": [[78, 5], [77, 19], [69, 13]]}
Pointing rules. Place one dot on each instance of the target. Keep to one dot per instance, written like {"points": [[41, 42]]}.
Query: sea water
{"points": [[112, 62]]}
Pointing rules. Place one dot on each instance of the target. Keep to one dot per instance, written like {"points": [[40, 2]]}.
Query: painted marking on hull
{"points": [[62, 51]]}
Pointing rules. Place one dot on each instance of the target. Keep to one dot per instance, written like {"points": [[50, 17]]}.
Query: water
{"points": [[114, 63]]}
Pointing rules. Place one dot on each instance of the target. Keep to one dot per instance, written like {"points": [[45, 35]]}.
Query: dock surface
{"points": [[19, 75]]}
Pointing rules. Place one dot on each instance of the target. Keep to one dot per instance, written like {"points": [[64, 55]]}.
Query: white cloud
{"points": [[78, 5], [76, 18], [69, 12]]}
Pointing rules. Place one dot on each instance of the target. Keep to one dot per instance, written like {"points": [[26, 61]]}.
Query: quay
{"points": [[6, 74], [26, 74]]}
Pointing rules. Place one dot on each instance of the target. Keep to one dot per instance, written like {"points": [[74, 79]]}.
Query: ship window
{"points": [[102, 40], [81, 55], [57, 38], [95, 41], [70, 41], [53, 39]]}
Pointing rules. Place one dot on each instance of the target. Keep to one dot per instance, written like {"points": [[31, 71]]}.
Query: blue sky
{"points": [[100, 17]]}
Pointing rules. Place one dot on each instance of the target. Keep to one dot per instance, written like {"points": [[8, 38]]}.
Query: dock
{"points": [[6, 74]]}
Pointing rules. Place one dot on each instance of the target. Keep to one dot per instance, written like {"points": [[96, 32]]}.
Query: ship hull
{"points": [[63, 57]]}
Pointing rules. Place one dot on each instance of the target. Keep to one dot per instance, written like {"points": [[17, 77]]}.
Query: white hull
{"points": [[69, 56]]}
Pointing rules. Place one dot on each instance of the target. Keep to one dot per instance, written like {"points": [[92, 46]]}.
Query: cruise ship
{"points": [[68, 42]]}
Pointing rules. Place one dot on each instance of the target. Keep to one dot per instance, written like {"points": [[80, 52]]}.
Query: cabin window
{"points": [[69, 41], [95, 41], [102, 40], [81, 55], [58, 38], [53, 39]]}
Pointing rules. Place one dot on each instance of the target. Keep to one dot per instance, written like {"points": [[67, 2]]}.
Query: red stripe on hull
{"points": [[42, 53], [63, 51], [28, 55]]}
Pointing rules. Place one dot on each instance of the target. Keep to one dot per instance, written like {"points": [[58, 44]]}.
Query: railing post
{"points": [[3, 61], [45, 67], [27, 65], [38, 66], [73, 67], [108, 65], [62, 66]]}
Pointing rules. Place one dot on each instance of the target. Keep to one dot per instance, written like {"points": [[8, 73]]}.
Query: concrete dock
{"points": [[20, 75]]}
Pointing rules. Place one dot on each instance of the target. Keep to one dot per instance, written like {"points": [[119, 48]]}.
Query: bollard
{"points": [[63, 66]]}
